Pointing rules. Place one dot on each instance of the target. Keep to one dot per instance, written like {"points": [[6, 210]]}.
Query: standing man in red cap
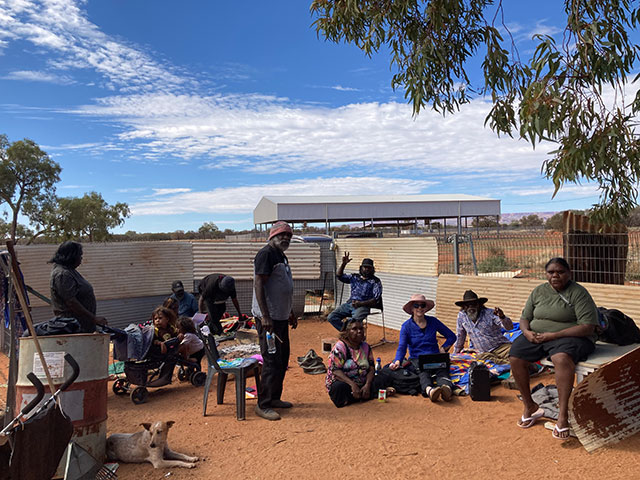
{"points": [[272, 307]]}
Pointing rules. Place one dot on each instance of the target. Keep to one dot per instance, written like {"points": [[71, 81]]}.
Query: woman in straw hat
{"points": [[419, 335]]}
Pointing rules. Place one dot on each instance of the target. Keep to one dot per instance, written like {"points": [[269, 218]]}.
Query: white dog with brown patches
{"points": [[149, 445]]}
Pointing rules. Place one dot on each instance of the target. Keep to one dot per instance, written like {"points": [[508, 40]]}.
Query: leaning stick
{"points": [[19, 289]]}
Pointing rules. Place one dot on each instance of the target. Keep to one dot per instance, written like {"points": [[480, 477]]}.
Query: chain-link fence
{"points": [[596, 258]]}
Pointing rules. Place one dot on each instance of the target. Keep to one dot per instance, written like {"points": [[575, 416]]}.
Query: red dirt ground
{"points": [[407, 437]]}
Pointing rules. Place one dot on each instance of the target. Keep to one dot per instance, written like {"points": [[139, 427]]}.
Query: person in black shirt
{"points": [[214, 290]]}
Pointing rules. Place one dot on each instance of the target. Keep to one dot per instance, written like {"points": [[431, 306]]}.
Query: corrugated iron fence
{"points": [[131, 278], [404, 265]]}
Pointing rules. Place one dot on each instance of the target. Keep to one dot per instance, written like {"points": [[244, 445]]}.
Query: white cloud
{"points": [[60, 27], [35, 76], [169, 191], [70, 146], [270, 135], [243, 199], [587, 190], [340, 88], [76, 187], [131, 190]]}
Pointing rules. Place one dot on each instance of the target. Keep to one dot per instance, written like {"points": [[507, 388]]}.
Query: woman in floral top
{"points": [[351, 375]]}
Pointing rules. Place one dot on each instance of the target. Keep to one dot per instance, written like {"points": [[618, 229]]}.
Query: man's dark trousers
{"points": [[274, 365]]}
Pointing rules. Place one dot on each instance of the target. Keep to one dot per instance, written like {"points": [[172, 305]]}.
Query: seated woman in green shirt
{"points": [[558, 321]]}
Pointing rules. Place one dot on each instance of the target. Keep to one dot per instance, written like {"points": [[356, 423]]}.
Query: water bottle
{"points": [[271, 343], [378, 365]]}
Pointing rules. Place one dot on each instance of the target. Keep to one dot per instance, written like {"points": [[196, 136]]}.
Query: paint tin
{"points": [[382, 395]]}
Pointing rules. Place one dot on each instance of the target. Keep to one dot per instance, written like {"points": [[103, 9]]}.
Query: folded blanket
{"points": [[460, 363]]}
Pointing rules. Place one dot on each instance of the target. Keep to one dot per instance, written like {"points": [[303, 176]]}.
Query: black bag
{"points": [[404, 380], [616, 327], [479, 382]]}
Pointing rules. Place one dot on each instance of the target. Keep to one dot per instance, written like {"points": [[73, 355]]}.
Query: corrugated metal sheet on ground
{"points": [[605, 407], [396, 291], [115, 270], [405, 256], [511, 294], [236, 259]]}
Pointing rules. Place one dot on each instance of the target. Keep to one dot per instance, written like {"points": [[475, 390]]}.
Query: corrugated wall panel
{"points": [[119, 312], [511, 295], [236, 259], [406, 256], [396, 291], [508, 294], [116, 270]]}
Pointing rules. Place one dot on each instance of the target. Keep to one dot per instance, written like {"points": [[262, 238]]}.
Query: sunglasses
{"points": [[419, 305]]}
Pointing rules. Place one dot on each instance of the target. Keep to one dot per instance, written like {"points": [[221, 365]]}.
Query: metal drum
{"points": [[85, 401]]}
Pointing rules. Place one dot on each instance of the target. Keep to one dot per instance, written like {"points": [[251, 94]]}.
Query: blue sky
{"points": [[192, 111]]}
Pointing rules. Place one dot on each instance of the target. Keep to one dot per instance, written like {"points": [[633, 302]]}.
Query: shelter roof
{"points": [[322, 208]]}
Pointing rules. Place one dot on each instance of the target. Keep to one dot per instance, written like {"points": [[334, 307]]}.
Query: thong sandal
{"points": [[559, 433], [527, 422]]}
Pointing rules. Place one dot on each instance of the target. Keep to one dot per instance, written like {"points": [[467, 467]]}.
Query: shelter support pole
{"points": [[456, 254]]}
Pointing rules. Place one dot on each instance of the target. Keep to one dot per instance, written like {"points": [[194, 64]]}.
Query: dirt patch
{"points": [[403, 438]]}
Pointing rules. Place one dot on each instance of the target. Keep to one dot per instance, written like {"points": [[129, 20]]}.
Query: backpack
{"points": [[616, 327], [404, 380]]}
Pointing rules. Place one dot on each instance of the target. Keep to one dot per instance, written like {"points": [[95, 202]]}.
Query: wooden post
{"points": [[19, 288]]}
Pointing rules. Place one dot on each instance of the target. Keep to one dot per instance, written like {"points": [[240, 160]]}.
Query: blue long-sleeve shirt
{"points": [[422, 341]]}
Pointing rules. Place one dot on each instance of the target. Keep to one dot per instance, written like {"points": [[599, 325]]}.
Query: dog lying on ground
{"points": [[149, 445]]}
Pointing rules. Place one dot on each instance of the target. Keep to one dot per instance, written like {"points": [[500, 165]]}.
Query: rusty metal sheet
{"points": [[605, 407]]}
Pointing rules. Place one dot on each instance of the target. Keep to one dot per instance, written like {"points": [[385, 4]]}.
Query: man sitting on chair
{"points": [[366, 292]]}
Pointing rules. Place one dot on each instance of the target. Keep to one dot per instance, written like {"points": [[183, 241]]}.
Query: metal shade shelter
{"points": [[374, 208]]}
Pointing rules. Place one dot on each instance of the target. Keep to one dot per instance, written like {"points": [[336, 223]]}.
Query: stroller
{"points": [[48, 428], [155, 370]]}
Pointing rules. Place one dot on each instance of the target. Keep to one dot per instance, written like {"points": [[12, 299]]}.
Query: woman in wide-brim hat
{"points": [[418, 334]]}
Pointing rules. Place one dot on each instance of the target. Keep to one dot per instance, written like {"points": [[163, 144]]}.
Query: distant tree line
{"points": [[552, 223]]}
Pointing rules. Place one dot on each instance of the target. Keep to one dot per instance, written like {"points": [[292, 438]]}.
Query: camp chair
{"points": [[378, 306], [239, 373]]}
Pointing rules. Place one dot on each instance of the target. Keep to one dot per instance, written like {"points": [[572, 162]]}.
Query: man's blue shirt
{"points": [[362, 288], [188, 306]]}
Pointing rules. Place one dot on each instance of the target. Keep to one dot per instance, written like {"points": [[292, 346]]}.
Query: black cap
{"points": [[177, 285], [367, 262]]}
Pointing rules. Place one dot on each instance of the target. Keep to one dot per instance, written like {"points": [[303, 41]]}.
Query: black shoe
{"points": [[267, 413], [281, 404]]}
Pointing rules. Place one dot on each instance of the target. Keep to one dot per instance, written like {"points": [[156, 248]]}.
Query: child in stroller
{"points": [[156, 368]]}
